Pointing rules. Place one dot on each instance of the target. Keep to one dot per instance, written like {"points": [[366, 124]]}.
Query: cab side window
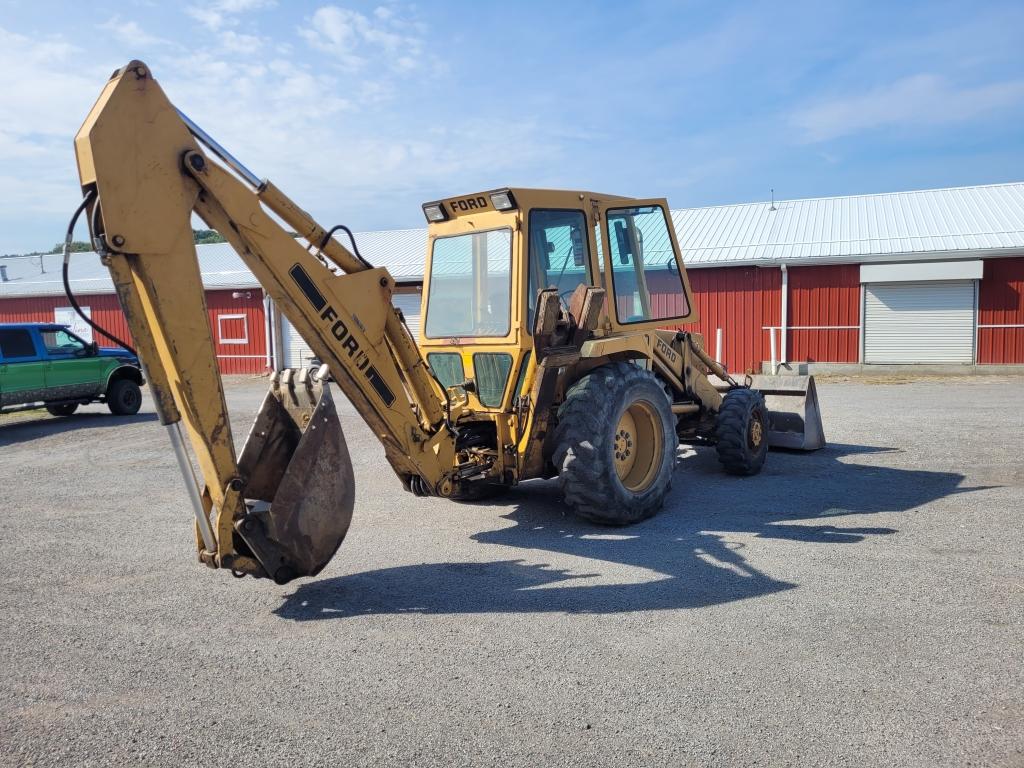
{"points": [[62, 343], [645, 275], [16, 343], [559, 256]]}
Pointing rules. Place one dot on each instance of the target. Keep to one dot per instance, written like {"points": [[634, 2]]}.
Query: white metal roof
{"points": [[962, 222], [932, 223]]}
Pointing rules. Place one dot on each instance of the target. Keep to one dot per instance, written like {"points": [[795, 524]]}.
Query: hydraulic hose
{"points": [[89, 198]]}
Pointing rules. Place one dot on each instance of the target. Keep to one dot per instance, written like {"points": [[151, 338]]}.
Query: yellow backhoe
{"points": [[542, 352]]}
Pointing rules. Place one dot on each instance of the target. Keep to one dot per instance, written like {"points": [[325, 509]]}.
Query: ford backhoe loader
{"points": [[542, 352]]}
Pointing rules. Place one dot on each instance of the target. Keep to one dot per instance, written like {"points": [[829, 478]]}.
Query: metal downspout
{"points": [[268, 329], [784, 320]]}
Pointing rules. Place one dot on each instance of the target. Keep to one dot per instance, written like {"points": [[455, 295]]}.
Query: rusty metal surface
{"points": [[299, 483]]}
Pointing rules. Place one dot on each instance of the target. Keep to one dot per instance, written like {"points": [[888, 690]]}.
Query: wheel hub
{"points": [[756, 431], [637, 446]]}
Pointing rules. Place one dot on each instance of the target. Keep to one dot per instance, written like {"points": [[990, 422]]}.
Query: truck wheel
{"points": [[62, 409], [615, 445], [124, 397], [741, 432]]}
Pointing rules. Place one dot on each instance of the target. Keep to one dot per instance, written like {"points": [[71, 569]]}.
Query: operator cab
{"points": [[489, 254]]}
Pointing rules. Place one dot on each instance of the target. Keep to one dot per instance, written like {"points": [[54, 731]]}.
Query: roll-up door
{"points": [[409, 303], [297, 353], [930, 322]]}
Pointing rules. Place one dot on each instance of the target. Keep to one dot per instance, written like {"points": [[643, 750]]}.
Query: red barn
{"points": [[926, 278]]}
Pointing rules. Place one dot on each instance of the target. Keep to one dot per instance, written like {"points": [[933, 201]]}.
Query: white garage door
{"points": [[299, 355], [919, 322], [409, 303]]}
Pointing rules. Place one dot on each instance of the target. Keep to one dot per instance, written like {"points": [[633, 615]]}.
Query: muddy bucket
{"points": [[299, 487], [793, 406]]}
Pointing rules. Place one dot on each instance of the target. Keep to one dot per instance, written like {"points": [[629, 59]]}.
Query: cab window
{"points": [[645, 274], [59, 342], [558, 254], [16, 343]]}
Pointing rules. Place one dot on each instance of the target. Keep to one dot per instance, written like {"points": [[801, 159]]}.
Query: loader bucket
{"points": [[793, 406], [299, 485]]}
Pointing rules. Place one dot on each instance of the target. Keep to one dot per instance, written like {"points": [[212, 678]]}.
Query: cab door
{"points": [[75, 370], [643, 270], [22, 367]]}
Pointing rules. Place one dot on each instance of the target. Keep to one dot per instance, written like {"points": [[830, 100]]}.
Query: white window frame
{"points": [[245, 326]]}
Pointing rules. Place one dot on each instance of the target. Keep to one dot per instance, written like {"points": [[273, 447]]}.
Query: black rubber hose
{"points": [[67, 284], [352, 239]]}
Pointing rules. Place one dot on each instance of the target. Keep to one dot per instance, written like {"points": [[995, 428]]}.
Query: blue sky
{"points": [[362, 111]]}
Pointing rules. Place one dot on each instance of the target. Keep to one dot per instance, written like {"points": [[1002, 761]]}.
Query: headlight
{"points": [[435, 212], [502, 200]]}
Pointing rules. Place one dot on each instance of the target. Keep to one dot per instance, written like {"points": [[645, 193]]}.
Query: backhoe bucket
{"points": [[793, 406], [299, 485]]}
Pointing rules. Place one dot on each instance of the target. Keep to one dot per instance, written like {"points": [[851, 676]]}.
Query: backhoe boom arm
{"points": [[146, 173]]}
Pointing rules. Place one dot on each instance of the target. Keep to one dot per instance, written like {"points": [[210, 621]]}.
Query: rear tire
{"points": [[741, 432], [615, 445], [124, 397], [62, 409]]}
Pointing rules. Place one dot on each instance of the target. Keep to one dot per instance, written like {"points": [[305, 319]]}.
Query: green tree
{"points": [[207, 236], [77, 246]]}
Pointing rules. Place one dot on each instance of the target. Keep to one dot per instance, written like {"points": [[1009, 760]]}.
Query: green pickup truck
{"points": [[46, 364]]}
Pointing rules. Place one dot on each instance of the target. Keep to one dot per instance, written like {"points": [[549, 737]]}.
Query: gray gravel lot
{"points": [[859, 606]]}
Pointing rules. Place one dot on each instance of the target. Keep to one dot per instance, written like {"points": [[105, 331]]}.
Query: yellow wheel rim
{"points": [[756, 432], [637, 446]]}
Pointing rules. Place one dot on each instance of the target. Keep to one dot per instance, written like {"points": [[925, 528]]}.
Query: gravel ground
{"points": [[858, 606]]}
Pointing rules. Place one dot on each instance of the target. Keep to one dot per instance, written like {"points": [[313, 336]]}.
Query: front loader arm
{"points": [[145, 174]]}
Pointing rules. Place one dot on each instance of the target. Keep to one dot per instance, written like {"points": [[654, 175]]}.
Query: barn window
{"points": [[233, 329]]}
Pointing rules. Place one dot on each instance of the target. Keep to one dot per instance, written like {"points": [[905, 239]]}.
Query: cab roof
{"points": [[510, 199]]}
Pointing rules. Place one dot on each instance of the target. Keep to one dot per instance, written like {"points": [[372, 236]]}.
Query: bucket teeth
{"points": [[299, 484]]}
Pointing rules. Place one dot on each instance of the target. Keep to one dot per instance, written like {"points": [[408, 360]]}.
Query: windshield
{"points": [[470, 285]]}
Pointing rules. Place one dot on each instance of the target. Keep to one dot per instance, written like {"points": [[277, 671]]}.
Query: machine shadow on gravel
{"points": [[687, 554], [26, 430]]}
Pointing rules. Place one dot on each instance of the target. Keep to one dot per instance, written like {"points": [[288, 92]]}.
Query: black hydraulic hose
{"points": [[67, 284], [352, 239]]}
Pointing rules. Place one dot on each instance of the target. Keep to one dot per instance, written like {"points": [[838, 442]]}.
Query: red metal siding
{"points": [[1001, 303], [232, 320], [741, 301], [105, 310], [821, 298]]}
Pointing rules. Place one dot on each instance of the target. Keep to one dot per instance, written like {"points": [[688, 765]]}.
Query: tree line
{"points": [[200, 236]]}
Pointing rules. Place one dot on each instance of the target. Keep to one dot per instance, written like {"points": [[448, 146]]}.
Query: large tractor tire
{"points": [[615, 445], [741, 432]]}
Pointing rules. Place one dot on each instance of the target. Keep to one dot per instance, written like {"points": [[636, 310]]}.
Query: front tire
{"points": [[124, 397], [615, 445], [741, 432], [62, 409]]}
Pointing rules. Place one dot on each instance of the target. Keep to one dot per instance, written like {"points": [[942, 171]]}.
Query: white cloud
{"points": [[221, 13], [332, 138], [130, 33], [354, 40], [919, 100], [236, 42]]}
